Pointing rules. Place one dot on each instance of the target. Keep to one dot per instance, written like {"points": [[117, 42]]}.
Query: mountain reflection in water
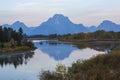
{"points": [[28, 65], [61, 50], [56, 50]]}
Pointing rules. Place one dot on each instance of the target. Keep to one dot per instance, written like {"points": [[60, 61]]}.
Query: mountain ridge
{"points": [[60, 24]]}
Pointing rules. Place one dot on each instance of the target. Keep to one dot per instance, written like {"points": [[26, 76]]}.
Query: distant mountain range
{"points": [[60, 24]]}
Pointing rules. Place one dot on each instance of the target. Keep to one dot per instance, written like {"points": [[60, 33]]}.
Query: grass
{"points": [[8, 47], [15, 49]]}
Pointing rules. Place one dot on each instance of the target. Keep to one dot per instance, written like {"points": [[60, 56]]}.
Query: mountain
{"points": [[60, 24], [92, 28], [19, 24], [108, 26], [16, 25], [6, 25]]}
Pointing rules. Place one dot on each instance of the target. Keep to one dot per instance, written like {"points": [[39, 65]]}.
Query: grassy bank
{"points": [[16, 49], [101, 67], [8, 48], [89, 41]]}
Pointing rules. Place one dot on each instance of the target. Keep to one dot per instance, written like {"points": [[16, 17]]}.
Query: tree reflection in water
{"points": [[16, 59], [98, 46]]}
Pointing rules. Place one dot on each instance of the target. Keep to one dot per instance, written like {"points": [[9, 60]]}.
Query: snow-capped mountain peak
{"points": [[58, 19]]}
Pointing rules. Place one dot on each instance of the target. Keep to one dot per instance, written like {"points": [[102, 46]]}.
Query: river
{"points": [[28, 65]]}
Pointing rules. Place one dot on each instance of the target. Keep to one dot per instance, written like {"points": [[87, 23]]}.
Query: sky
{"points": [[34, 12]]}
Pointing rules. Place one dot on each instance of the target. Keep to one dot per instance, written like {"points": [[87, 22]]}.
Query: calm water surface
{"points": [[27, 65]]}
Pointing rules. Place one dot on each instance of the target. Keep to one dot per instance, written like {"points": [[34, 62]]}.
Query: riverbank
{"points": [[89, 41], [77, 41], [15, 49]]}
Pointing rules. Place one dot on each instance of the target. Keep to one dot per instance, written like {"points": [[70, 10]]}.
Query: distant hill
{"points": [[60, 24], [109, 26]]}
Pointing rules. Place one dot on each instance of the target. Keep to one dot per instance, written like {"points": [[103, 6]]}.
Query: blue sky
{"points": [[34, 12]]}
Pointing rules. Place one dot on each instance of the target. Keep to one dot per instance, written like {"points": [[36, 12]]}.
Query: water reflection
{"points": [[56, 50], [15, 59], [27, 65], [106, 47], [59, 50]]}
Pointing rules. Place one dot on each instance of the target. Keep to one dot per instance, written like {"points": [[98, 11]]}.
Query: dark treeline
{"points": [[6, 34], [98, 35], [10, 38]]}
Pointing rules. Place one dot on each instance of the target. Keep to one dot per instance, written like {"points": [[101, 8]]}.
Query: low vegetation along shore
{"points": [[12, 41], [101, 67], [99, 36], [16, 49]]}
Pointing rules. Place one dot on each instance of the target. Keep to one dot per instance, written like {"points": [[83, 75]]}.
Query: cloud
{"points": [[33, 12], [95, 17]]}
